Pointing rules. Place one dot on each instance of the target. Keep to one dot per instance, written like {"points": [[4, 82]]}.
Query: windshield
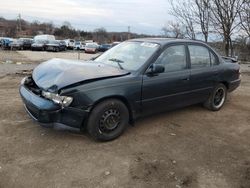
{"points": [[53, 42], [91, 45], [130, 55], [106, 45], [40, 41], [20, 41]]}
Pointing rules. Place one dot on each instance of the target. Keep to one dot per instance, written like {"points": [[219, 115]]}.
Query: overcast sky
{"points": [[144, 16]]}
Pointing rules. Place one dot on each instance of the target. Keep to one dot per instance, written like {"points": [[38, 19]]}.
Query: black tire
{"points": [[108, 120], [217, 98]]}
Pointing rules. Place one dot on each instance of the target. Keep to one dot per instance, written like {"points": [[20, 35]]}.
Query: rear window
{"points": [[91, 45]]}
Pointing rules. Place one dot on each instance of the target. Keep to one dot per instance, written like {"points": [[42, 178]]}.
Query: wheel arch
{"points": [[123, 99], [225, 83]]}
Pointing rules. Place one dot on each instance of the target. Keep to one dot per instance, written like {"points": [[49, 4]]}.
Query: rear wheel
{"points": [[217, 98], [108, 120]]}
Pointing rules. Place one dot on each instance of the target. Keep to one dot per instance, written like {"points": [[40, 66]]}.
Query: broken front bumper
{"points": [[48, 113]]}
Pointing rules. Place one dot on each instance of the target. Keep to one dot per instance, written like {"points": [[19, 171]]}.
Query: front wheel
{"points": [[108, 120], [217, 98]]}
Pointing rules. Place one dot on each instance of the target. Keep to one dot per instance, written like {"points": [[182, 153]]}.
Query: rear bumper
{"points": [[233, 85], [48, 113]]}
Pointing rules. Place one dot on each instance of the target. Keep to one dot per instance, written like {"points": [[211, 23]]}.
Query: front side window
{"points": [[173, 58], [199, 56]]}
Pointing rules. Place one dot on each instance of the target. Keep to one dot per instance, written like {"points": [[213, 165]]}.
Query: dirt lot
{"points": [[12, 62], [190, 147]]}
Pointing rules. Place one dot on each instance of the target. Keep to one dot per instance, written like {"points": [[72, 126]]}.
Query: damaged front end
{"points": [[49, 108]]}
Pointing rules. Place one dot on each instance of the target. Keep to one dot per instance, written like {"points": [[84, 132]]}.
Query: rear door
{"points": [[203, 76], [167, 90]]}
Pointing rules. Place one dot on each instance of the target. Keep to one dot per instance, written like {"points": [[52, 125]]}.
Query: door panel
{"points": [[203, 74], [169, 89], [165, 91]]}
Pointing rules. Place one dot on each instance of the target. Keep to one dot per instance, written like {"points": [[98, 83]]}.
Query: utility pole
{"points": [[128, 32], [19, 26]]}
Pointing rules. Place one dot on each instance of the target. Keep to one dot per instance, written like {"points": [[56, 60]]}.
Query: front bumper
{"points": [[48, 113]]}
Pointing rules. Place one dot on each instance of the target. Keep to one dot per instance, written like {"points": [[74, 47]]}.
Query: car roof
{"points": [[164, 41]]}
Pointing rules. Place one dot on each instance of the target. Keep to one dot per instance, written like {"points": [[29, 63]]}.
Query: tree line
{"points": [[224, 18], [23, 28]]}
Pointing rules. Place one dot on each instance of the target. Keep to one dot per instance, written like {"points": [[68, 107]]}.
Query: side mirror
{"points": [[155, 69]]}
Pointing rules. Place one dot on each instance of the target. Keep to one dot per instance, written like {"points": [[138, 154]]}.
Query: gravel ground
{"points": [[12, 62], [190, 147], [43, 56]]}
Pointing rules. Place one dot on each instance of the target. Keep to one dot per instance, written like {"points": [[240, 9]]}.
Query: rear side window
{"points": [[173, 58], [199, 56], [214, 60]]}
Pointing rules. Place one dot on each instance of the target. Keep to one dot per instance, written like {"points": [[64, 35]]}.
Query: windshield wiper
{"points": [[118, 61]]}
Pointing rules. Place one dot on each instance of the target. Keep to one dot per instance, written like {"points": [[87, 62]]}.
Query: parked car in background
{"points": [[39, 45], [70, 44], [115, 43], [14, 45], [79, 45], [104, 47], [21, 44], [5, 43], [136, 78], [56, 46], [91, 48]]}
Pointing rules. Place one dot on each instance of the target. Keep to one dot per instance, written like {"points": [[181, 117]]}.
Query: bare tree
{"points": [[245, 17], [224, 18], [183, 11], [174, 30], [100, 35], [202, 14]]}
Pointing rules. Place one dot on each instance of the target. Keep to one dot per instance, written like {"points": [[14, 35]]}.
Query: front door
{"points": [[167, 90]]}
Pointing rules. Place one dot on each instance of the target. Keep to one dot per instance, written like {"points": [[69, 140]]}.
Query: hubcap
{"points": [[109, 120], [219, 97]]}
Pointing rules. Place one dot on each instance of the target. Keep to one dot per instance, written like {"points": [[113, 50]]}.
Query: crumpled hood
{"points": [[56, 74]]}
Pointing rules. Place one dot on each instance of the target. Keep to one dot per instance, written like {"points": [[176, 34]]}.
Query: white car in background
{"points": [[70, 43], [79, 45]]}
